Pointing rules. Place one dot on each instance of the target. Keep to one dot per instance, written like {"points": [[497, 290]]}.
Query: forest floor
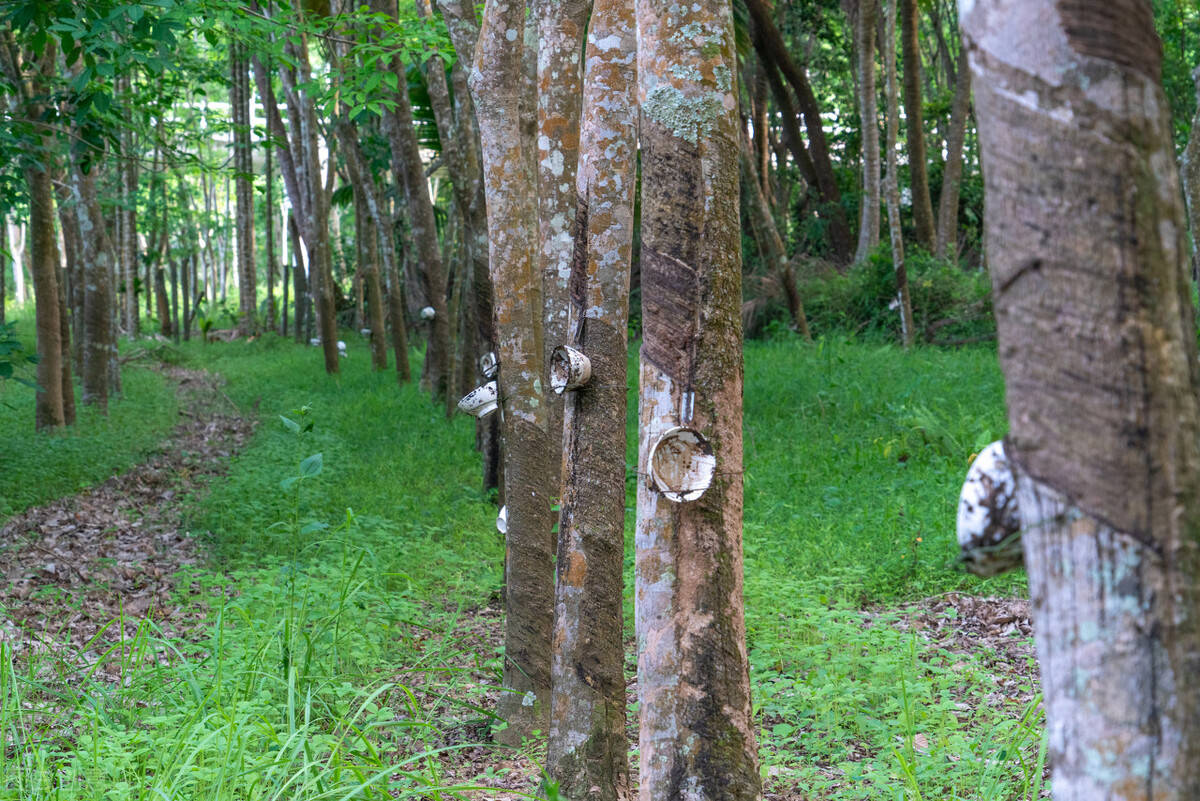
{"points": [[86, 569], [146, 616]]}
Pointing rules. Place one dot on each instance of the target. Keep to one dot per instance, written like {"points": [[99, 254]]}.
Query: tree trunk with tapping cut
{"points": [[560, 31], [367, 216], [587, 752], [696, 734], [1097, 339], [529, 457], [464, 35]]}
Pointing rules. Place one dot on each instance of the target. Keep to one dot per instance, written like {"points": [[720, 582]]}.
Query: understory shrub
{"points": [[950, 305]]}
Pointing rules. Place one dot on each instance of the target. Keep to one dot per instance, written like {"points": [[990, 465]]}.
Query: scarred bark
{"points": [[893, 180], [587, 748], [529, 458], [696, 734], [560, 29], [1085, 240], [947, 230]]}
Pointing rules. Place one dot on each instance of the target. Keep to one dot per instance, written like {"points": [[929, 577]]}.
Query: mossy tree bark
{"points": [[696, 735], [587, 752], [529, 458], [1086, 245]]}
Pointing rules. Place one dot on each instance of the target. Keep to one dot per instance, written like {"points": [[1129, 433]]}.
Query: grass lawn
{"points": [[333, 576]]}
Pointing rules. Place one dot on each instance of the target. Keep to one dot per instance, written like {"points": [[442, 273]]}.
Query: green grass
{"points": [[332, 576], [38, 467]]}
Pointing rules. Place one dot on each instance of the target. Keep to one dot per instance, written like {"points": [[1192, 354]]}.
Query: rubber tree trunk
{"points": [[766, 234], [368, 215], [464, 35], [696, 734], [1097, 339], [529, 458], [299, 163], [893, 180], [97, 265], [560, 30], [1190, 170], [128, 259], [5, 255], [865, 24], [918, 169], [774, 54], [960, 110], [48, 404], [587, 752], [243, 165]]}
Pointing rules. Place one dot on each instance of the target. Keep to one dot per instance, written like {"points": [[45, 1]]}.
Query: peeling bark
{"points": [[587, 752], [1085, 240], [696, 735]]}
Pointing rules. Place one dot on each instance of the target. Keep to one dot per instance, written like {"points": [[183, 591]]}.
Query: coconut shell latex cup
{"points": [[682, 464], [481, 401]]}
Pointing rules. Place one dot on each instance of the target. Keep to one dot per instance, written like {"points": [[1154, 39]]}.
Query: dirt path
{"points": [[74, 566]]}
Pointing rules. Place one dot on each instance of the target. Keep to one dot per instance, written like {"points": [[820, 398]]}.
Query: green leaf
{"points": [[289, 482], [314, 527], [6, 369], [311, 466], [291, 425]]}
